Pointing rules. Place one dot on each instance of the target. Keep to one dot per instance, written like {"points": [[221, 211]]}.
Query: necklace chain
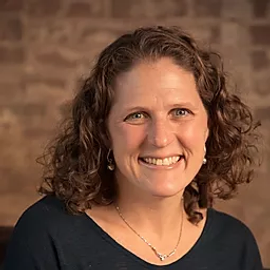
{"points": [[161, 256]]}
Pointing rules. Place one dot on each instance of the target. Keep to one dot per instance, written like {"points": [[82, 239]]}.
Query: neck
{"points": [[147, 213]]}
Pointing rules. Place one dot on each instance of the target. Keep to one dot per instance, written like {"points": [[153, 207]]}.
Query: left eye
{"points": [[181, 112]]}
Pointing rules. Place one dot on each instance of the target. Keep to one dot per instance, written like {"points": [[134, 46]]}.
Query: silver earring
{"points": [[110, 165], [204, 159]]}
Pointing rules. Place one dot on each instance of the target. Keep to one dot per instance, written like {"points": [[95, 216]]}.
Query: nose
{"points": [[160, 133]]}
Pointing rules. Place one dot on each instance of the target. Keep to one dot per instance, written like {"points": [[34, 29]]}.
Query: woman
{"points": [[154, 138]]}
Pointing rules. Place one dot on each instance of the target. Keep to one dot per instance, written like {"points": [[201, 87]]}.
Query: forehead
{"points": [[160, 69], [161, 79]]}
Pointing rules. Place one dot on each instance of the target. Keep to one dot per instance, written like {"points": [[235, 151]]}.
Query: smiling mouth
{"points": [[162, 162]]}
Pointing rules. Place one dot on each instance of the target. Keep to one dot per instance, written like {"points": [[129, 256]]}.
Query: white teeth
{"points": [[162, 162], [165, 161]]}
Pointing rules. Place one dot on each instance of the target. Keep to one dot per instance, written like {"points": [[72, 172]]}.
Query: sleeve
{"points": [[31, 247]]}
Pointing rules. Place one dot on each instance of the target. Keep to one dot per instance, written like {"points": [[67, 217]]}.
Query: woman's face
{"points": [[158, 128]]}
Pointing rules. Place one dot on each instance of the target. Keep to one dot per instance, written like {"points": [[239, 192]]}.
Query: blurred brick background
{"points": [[47, 45]]}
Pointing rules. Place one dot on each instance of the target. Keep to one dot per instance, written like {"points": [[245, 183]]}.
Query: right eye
{"points": [[136, 117]]}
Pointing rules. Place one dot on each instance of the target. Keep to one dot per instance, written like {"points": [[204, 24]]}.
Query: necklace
{"points": [[161, 256]]}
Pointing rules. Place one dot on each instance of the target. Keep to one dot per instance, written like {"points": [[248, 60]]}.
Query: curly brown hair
{"points": [[75, 163]]}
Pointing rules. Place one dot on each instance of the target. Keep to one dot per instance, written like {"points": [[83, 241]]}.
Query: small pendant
{"points": [[162, 257]]}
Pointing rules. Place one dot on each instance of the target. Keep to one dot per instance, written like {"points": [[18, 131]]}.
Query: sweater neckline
{"points": [[193, 250]]}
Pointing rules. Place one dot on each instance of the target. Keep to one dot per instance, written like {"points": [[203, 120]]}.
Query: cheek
{"points": [[127, 137], [126, 141], [193, 135]]}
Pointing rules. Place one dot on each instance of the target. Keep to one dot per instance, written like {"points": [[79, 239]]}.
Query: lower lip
{"points": [[162, 167]]}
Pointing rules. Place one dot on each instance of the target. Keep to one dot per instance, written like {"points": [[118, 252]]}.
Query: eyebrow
{"points": [[175, 105], [128, 109], [184, 104]]}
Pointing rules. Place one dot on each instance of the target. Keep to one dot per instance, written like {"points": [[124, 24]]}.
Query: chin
{"points": [[165, 192]]}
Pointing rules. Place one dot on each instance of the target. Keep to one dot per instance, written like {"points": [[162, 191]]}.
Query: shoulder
{"points": [[32, 244], [232, 234], [44, 212], [226, 243], [228, 226], [46, 219]]}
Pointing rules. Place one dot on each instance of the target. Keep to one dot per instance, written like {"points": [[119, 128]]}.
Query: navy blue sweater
{"points": [[46, 237]]}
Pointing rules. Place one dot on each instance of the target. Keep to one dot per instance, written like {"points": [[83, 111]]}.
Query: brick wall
{"points": [[46, 46]]}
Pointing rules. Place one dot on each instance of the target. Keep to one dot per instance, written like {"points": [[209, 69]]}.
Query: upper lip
{"points": [[161, 157]]}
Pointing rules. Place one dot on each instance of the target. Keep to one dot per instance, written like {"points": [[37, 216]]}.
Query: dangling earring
{"points": [[110, 165], [204, 159]]}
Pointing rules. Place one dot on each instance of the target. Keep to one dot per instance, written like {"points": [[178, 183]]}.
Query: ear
{"points": [[107, 139], [206, 134], [108, 144]]}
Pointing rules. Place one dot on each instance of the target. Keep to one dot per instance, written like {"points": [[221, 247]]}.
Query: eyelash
{"points": [[133, 114], [182, 109], [145, 114]]}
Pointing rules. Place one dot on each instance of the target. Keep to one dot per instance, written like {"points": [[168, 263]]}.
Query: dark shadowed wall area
{"points": [[46, 46]]}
